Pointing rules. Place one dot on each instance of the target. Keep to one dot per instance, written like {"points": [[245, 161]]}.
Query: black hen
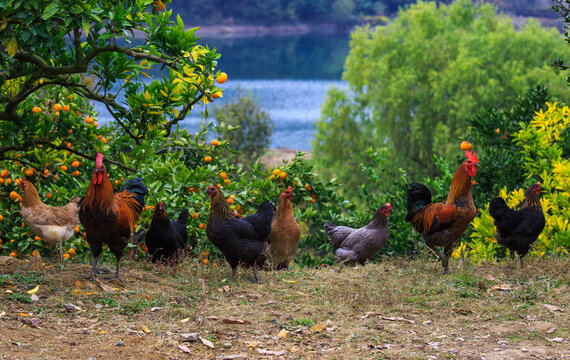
{"points": [[243, 241], [165, 239], [518, 229]]}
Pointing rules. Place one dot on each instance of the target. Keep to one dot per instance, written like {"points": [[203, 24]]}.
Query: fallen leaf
{"points": [[35, 297], [71, 307], [34, 290], [502, 287], [212, 317], [3, 313], [101, 332], [235, 321], [271, 352], [22, 314], [303, 294], [556, 339], [553, 307], [184, 320], [395, 318], [320, 327], [252, 345], [9, 291], [550, 331], [184, 349], [76, 292], [226, 288], [105, 287], [78, 284], [145, 329], [289, 281], [206, 342]]}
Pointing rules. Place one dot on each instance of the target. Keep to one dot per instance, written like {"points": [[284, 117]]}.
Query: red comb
{"points": [[289, 188], [471, 156], [99, 160]]}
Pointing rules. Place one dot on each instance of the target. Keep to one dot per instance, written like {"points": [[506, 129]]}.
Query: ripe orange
{"points": [[66, 256], [195, 215], [88, 119], [217, 95], [48, 195], [76, 230], [207, 159], [14, 195], [158, 5], [66, 108], [17, 181], [63, 167], [57, 107], [1, 181], [75, 164], [104, 140], [46, 171], [227, 181], [465, 145], [75, 173], [202, 226], [473, 182], [95, 124], [71, 251], [205, 261], [308, 187], [283, 175], [276, 172], [222, 78], [215, 142], [117, 182], [37, 238], [223, 175], [68, 145], [4, 173], [36, 109], [8, 181], [13, 254], [498, 131], [35, 252], [313, 201], [1, 217], [29, 172], [230, 200]]}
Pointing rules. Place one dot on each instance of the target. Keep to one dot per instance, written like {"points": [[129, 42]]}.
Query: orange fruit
{"points": [[35, 252], [195, 215], [8, 181], [283, 175], [1, 217], [465, 145], [217, 95], [276, 172], [308, 187], [223, 175], [498, 131], [202, 226], [48, 195], [37, 238], [29, 172], [75, 164], [75, 173], [71, 251], [66, 256], [1, 181], [66, 108], [117, 182], [46, 171], [205, 261], [95, 124], [473, 182], [57, 107], [4, 173], [36, 109], [215, 142], [227, 181], [76, 230], [230, 200], [14, 195], [56, 113], [63, 167], [207, 159], [68, 145], [104, 140], [13, 254], [88, 119], [222, 78], [313, 201], [218, 185], [158, 5]]}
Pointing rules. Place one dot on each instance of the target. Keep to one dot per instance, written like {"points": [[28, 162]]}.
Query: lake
{"points": [[287, 75]]}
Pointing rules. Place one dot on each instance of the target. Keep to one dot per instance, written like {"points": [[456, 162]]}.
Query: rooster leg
{"points": [[445, 261], [60, 251], [92, 273], [436, 252], [117, 277], [233, 273], [255, 273]]}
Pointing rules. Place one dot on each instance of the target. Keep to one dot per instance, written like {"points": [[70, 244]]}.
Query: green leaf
{"points": [[50, 10], [86, 24], [12, 47]]}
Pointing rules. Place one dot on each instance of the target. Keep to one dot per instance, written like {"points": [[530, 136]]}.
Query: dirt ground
{"points": [[398, 309]]}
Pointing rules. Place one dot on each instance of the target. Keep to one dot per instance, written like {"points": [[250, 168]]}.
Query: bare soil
{"points": [[397, 309]]}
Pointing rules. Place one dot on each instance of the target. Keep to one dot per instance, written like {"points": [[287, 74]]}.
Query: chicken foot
{"points": [[117, 277], [256, 276], [443, 258], [91, 274]]}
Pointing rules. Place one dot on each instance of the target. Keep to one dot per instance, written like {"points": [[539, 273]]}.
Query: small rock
{"points": [[227, 345], [320, 327], [295, 349], [284, 334], [120, 343], [502, 342], [329, 323], [159, 344], [252, 345], [71, 307], [426, 323], [98, 306], [453, 351], [460, 339], [524, 349], [153, 309], [191, 337], [556, 339]]}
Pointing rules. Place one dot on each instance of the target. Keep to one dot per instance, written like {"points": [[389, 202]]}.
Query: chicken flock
{"points": [[270, 237]]}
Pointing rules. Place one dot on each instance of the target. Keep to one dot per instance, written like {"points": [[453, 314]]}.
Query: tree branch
{"points": [[182, 115]]}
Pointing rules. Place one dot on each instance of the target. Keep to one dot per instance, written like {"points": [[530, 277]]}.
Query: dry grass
{"points": [[454, 316]]}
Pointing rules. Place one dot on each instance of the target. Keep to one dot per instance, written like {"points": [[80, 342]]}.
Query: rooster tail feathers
{"points": [[418, 197], [329, 227], [183, 217], [137, 188], [497, 208]]}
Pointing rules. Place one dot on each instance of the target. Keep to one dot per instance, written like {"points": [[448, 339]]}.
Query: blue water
{"points": [[287, 75]]}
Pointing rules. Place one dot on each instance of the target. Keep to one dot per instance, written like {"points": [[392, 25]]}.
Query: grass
{"points": [[355, 303]]}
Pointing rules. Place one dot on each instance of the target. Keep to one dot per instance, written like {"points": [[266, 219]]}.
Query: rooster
{"points": [[110, 218], [518, 229], [359, 245], [166, 239], [242, 241], [55, 224], [442, 224], [285, 233]]}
